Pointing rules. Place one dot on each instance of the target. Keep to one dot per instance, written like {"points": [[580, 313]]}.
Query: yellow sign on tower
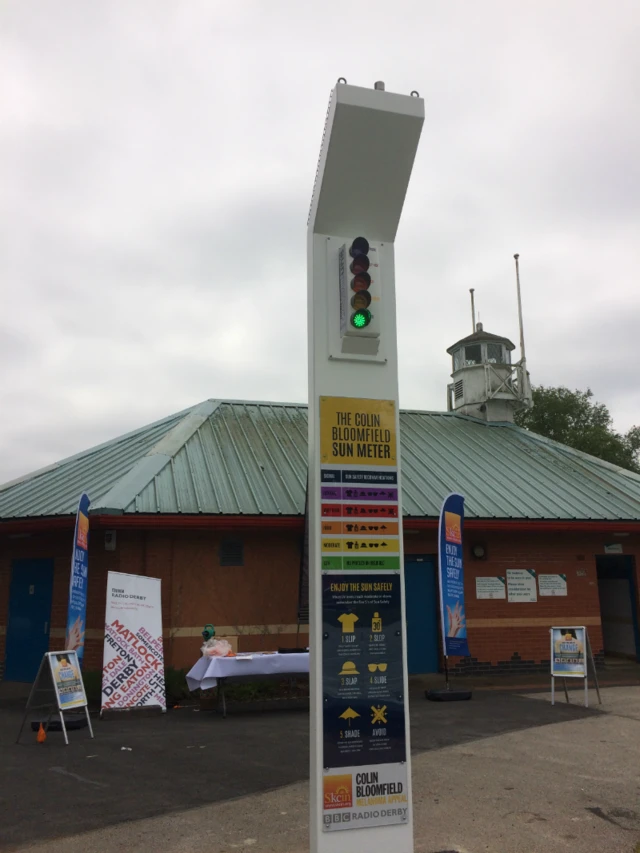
{"points": [[357, 432]]}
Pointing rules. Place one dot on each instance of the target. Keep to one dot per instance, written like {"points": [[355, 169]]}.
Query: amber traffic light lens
{"points": [[360, 300]]}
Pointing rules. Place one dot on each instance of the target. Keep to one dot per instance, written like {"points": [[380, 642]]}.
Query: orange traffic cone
{"points": [[42, 735]]}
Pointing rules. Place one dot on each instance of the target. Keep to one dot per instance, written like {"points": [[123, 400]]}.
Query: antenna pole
{"points": [[522, 354], [473, 310]]}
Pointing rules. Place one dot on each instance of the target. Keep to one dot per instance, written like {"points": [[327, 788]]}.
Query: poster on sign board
{"points": [[568, 652], [133, 663], [67, 680]]}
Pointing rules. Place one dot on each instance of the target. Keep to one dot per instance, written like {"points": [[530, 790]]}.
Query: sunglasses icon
{"points": [[381, 666]]}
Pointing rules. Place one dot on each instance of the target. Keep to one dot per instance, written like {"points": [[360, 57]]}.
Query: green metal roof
{"points": [[245, 458]]}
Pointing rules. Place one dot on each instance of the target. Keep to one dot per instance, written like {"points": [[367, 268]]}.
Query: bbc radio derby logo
{"points": [[453, 528], [338, 792]]}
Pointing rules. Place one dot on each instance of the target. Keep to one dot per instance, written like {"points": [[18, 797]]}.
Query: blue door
{"points": [[29, 615], [422, 614]]}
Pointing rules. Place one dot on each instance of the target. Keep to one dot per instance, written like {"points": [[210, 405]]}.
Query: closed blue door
{"points": [[29, 615], [422, 614]]}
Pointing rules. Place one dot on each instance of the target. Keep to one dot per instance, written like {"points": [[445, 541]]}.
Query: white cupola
{"points": [[485, 383]]}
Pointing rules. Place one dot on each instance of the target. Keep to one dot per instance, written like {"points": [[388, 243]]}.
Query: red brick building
{"points": [[212, 500]]}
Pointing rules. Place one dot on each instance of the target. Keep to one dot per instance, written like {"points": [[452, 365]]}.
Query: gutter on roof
{"points": [[37, 525], [296, 522], [530, 525], [108, 521], [200, 522], [157, 522]]}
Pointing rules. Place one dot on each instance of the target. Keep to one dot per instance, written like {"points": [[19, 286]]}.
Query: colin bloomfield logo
{"points": [[338, 792], [452, 527]]}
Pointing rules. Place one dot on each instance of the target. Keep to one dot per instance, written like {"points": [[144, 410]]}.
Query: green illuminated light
{"points": [[361, 319]]}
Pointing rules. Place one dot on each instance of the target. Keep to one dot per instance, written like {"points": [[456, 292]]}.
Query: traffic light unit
{"points": [[360, 293]]}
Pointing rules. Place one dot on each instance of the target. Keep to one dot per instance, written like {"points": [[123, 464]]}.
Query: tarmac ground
{"points": [[503, 773]]}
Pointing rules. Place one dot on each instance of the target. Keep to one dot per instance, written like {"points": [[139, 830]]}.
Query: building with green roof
{"points": [[212, 501]]}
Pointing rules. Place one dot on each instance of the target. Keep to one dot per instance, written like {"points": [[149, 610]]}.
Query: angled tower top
{"points": [[368, 148]]}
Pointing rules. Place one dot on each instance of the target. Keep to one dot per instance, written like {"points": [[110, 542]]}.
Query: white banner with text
{"points": [[133, 663]]}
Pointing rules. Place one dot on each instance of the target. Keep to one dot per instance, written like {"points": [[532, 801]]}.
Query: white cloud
{"points": [[157, 161]]}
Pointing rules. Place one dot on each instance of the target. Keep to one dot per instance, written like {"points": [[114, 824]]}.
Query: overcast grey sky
{"points": [[156, 164]]}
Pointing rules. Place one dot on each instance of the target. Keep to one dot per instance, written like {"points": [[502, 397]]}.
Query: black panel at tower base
{"points": [[362, 670]]}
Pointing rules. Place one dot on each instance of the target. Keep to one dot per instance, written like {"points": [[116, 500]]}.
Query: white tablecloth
{"points": [[208, 670]]}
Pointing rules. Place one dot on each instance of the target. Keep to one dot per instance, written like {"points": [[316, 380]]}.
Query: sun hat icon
{"points": [[349, 668]]}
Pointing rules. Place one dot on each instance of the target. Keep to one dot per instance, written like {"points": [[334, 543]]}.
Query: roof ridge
{"points": [[140, 475], [75, 456]]}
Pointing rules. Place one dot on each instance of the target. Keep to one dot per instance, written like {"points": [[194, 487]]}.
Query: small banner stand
{"points": [[58, 686], [451, 583], [77, 611], [571, 657]]}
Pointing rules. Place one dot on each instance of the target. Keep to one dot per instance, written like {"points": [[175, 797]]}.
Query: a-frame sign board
{"points": [[58, 687], [571, 657]]}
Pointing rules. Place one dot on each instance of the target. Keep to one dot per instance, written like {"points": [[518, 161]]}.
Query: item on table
{"points": [[209, 632], [216, 648]]}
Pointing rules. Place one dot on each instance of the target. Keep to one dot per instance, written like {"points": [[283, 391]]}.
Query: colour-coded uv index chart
{"points": [[358, 485]]}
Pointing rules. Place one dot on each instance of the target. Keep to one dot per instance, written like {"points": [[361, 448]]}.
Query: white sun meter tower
{"points": [[360, 758]]}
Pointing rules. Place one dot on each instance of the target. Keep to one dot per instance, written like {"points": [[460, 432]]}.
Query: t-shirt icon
{"points": [[348, 621]]}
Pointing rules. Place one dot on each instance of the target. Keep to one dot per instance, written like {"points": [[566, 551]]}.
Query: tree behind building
{"points": [[573, 418]]}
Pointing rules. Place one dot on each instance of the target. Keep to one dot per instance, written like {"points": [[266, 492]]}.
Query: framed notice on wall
{"points": [[552, 584], [494, 587], [521, 585]]}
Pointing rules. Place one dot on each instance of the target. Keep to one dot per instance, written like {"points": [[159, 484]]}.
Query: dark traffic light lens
{"points": [[360, 246], [361, 282], [361, 300], [361, 318], [359, 264]]}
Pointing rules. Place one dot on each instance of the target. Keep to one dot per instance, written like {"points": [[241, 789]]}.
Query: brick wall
{"points": [[508, 636], [255, 604], [261, 593], [252, 601]]}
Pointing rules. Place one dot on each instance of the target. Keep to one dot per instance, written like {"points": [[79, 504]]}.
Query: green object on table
{"points": [[209, 632]]}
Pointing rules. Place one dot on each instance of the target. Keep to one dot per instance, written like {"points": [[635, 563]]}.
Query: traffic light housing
{"points": [[359, 296]]}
